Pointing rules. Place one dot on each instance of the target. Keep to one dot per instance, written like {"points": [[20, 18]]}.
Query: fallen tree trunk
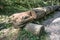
{"points": [[20, 19], [9, 34]]}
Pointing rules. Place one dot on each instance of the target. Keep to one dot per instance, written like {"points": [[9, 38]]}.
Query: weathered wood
{"points": [[9, 34], [20, 19], [42, 11], [34, 28]]}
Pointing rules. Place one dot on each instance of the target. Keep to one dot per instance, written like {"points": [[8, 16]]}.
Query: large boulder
{"points": [[52, 26]]}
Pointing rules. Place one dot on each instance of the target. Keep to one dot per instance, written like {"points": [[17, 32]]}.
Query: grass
{"points": [[25, 35], [14, 6]]}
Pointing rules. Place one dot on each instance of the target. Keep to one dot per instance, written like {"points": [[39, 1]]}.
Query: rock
{"points": [[59, 9], [54, 29], [34, 28], [52, 26]]}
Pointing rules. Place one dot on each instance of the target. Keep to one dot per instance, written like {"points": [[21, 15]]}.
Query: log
{"points": [[9, 34], [20, 19], [42, 11], [34, 28]]}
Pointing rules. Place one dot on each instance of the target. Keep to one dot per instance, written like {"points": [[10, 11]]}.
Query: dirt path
{"points": [[52, 26]]}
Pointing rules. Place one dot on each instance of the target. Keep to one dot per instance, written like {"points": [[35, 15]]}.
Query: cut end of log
{"points": [[34, 28]]}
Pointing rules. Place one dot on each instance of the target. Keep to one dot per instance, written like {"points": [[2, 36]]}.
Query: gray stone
{"points": [[52, 26]]}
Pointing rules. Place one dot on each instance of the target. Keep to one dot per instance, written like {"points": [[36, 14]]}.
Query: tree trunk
{"points": [[20, 19], [9, 34]]}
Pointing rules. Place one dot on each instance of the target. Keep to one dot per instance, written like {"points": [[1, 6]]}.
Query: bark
{"points": [[20, 19]]}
